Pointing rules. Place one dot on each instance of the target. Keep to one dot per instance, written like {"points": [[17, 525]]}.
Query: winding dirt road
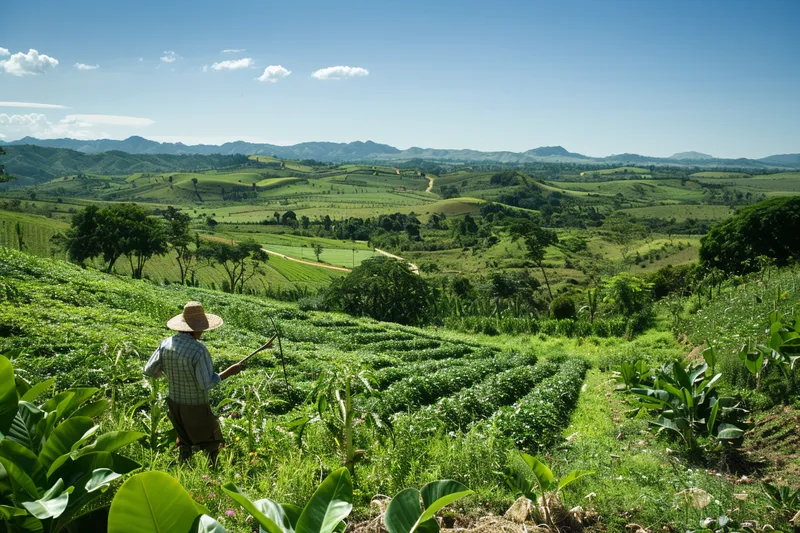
{"points": [[414, 268], [430, 183]]}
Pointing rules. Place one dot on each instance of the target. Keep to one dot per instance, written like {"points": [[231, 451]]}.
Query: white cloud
{"points": [[33, 105], [339, 73], [84, 66], [33, 62], [141, 59], [233, 50], [205, 68], [274, 73], [234, 64], [170, 56], [2, 136], [4, 51], [75, 126], [109, 120]]}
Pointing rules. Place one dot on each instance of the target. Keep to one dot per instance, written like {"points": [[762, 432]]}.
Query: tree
{"points": [[140, 237], [536, 239], [114, 231], [277, 217], [179, 239], [289, 218], [82, 241], [4, 176], [304, 222], [327, 222], [501, 287], [626, 294], [240, 261], [317, 250], [384, 289], [768, 228], [20, 239]]}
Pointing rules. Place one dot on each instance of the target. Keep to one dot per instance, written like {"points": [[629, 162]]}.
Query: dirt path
{"points": [[312, 263], [414, 268], [430, 183]]}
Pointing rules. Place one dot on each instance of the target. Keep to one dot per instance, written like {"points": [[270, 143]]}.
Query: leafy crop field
{"points": [[66, 322], [459, 404]]}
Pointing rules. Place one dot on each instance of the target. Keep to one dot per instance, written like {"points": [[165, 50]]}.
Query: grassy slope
{"points": [[63, 317]]}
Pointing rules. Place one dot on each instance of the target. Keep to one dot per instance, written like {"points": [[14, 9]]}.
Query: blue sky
{"points": [[597, 77]]}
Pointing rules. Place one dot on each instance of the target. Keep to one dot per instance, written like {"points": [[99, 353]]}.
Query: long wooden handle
{"points": [[261, 349]]}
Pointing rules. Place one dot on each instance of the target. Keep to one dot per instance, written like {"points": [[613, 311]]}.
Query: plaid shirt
{"points": [[187, 364]]}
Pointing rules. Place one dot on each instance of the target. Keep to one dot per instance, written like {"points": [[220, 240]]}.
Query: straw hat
{"points": [[194, 318]]}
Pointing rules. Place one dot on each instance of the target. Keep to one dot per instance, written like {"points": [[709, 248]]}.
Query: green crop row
{"points": [[386, 376], [538, 418], [484, 399]]}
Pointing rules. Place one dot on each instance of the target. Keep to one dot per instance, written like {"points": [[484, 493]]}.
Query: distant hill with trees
{"points": [[37, 164], [372, 151]]}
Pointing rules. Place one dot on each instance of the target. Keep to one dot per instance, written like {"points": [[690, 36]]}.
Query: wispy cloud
{"points": [[170, 56], [21, 64], [33, 105], [141, 59], [339, 73], [4, 51], [109, 120], [274, 73], [76, 126], [84, 66], [233, 50], [233, 64]]}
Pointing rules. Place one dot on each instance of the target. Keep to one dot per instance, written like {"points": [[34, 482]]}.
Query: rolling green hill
{"points": [[37, 164]]}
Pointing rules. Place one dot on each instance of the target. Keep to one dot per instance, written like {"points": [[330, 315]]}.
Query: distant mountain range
{"points": [[371, 151]]}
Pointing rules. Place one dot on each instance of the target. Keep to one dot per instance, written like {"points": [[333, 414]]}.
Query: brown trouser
{"points": [[197, 426]]}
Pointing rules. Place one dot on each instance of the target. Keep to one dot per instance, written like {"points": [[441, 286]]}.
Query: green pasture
{"points": [[713, 174], [644, 191], [615, 171], [332, 256], [781, 184], [681, 212]]}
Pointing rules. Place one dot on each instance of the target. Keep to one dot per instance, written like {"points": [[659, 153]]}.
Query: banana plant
{"points": [[535, 476], [689, 405], [325, 512], [404, 514], [783, 349], [52, 462], [338, 407], [633, 375], [152, 502]]}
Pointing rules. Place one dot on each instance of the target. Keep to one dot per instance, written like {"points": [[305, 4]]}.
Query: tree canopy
{"points": [[115, 231], [384, 289], [767, 229]]}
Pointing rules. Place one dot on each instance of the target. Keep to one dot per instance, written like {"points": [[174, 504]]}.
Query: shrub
{"points": [[562, 307], [384, 289]]}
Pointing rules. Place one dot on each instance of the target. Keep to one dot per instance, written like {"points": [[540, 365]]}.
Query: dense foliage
{"points": [[769, 229], [384, 289]]}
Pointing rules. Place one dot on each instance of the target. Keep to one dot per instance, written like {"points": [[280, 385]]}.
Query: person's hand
{"points": [[231, 371]]}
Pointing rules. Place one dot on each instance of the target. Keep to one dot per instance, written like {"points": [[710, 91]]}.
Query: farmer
{"points": [[187, 364]]}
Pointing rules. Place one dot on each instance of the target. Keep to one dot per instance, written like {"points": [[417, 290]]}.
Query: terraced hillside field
{"points": [[58, 320]]}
